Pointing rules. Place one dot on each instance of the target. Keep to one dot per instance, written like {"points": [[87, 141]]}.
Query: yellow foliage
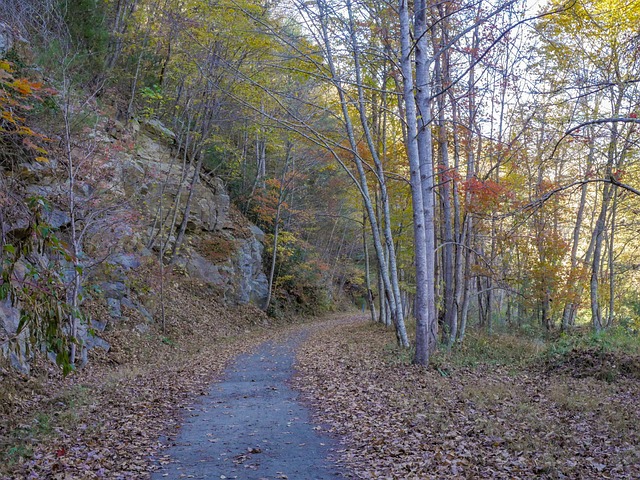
{"points": [[22, 86]]}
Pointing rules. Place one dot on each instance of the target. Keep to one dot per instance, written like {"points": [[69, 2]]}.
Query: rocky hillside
{"points": [[120, 166], [132, 188]]}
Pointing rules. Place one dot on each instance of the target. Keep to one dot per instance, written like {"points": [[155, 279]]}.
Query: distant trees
{"points": [[492, 150], [601, 89]]}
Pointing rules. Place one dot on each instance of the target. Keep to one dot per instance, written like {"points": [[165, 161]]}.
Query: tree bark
{"points": [[418, 172], [276, 227], [425, 158], [448, 266], [384, 197]]}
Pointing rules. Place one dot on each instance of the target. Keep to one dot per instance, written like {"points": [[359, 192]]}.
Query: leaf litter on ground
{"points": [[484, 421], [398, 420], [106, 420]]}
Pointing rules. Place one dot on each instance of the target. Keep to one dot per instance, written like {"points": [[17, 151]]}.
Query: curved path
{"points": [[252, 426]]}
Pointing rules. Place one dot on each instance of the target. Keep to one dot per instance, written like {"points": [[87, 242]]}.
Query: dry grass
{"points": [[216, 249]]}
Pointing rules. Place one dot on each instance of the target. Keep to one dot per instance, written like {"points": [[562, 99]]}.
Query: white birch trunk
{"points": [[422, 312], [364, 189], [425, 155]]}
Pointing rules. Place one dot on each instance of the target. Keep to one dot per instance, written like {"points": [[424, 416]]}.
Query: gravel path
{"points": [[252, 426]]}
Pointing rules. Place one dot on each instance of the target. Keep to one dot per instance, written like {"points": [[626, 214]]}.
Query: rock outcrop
{"points": [[218, 251], [222, 249], [16, 349], [7, 38]]}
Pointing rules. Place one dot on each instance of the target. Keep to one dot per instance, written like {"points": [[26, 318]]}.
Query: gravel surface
{"points": [[252, 425]]}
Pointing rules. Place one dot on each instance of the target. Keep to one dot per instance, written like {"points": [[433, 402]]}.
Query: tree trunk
{"points": [[367, 269], [448, 266], [612, 276], [384, 197], [187, 208], [276, 227], [420, 175], [571, 307]]}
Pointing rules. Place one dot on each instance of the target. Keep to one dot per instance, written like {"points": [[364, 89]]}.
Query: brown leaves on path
{"points": [[402, 421], [106, 420]]}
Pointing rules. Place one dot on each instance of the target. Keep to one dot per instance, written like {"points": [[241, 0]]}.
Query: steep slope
{"points": [[128, 197]]}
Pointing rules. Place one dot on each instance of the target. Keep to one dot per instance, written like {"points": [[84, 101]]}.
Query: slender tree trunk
{"points": [[367, 269], [382, 303], [384, 197], [336, 259], [448, 266], [466, 289], [124, 10], [598, 235], [76, 283], [276, 227], [425, 152], [612, 274], [136, 76], [419, 171], [457, 227], [570, 307], [187, 208]]}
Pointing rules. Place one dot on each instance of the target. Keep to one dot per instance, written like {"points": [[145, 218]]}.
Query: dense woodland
{"points": [[464, 174], [454, 163]]}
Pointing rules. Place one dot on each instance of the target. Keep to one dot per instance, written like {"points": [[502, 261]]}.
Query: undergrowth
{"points": [[614, 340], [497, 349], [607, 355]]}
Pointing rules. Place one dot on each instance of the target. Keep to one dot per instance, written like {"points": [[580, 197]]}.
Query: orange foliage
{"points": [[19, 95], [486, 196], [448, 174]]}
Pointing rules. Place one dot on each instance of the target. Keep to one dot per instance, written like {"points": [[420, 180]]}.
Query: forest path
{"points": [[252, 425]]}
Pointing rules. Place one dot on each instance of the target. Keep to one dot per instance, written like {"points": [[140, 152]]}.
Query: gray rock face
{"points": [[150, 178], [115, 307], [211, 209], [127, 302], [94, 341], [16, 351], [253, 283], [115, 290], [154, 177], [127, 261], [240, 278], [57, 218], [257, 232], [9, 318], [7, 38], [98, 325], [202, 268], [88, 339], [156, 127]]}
